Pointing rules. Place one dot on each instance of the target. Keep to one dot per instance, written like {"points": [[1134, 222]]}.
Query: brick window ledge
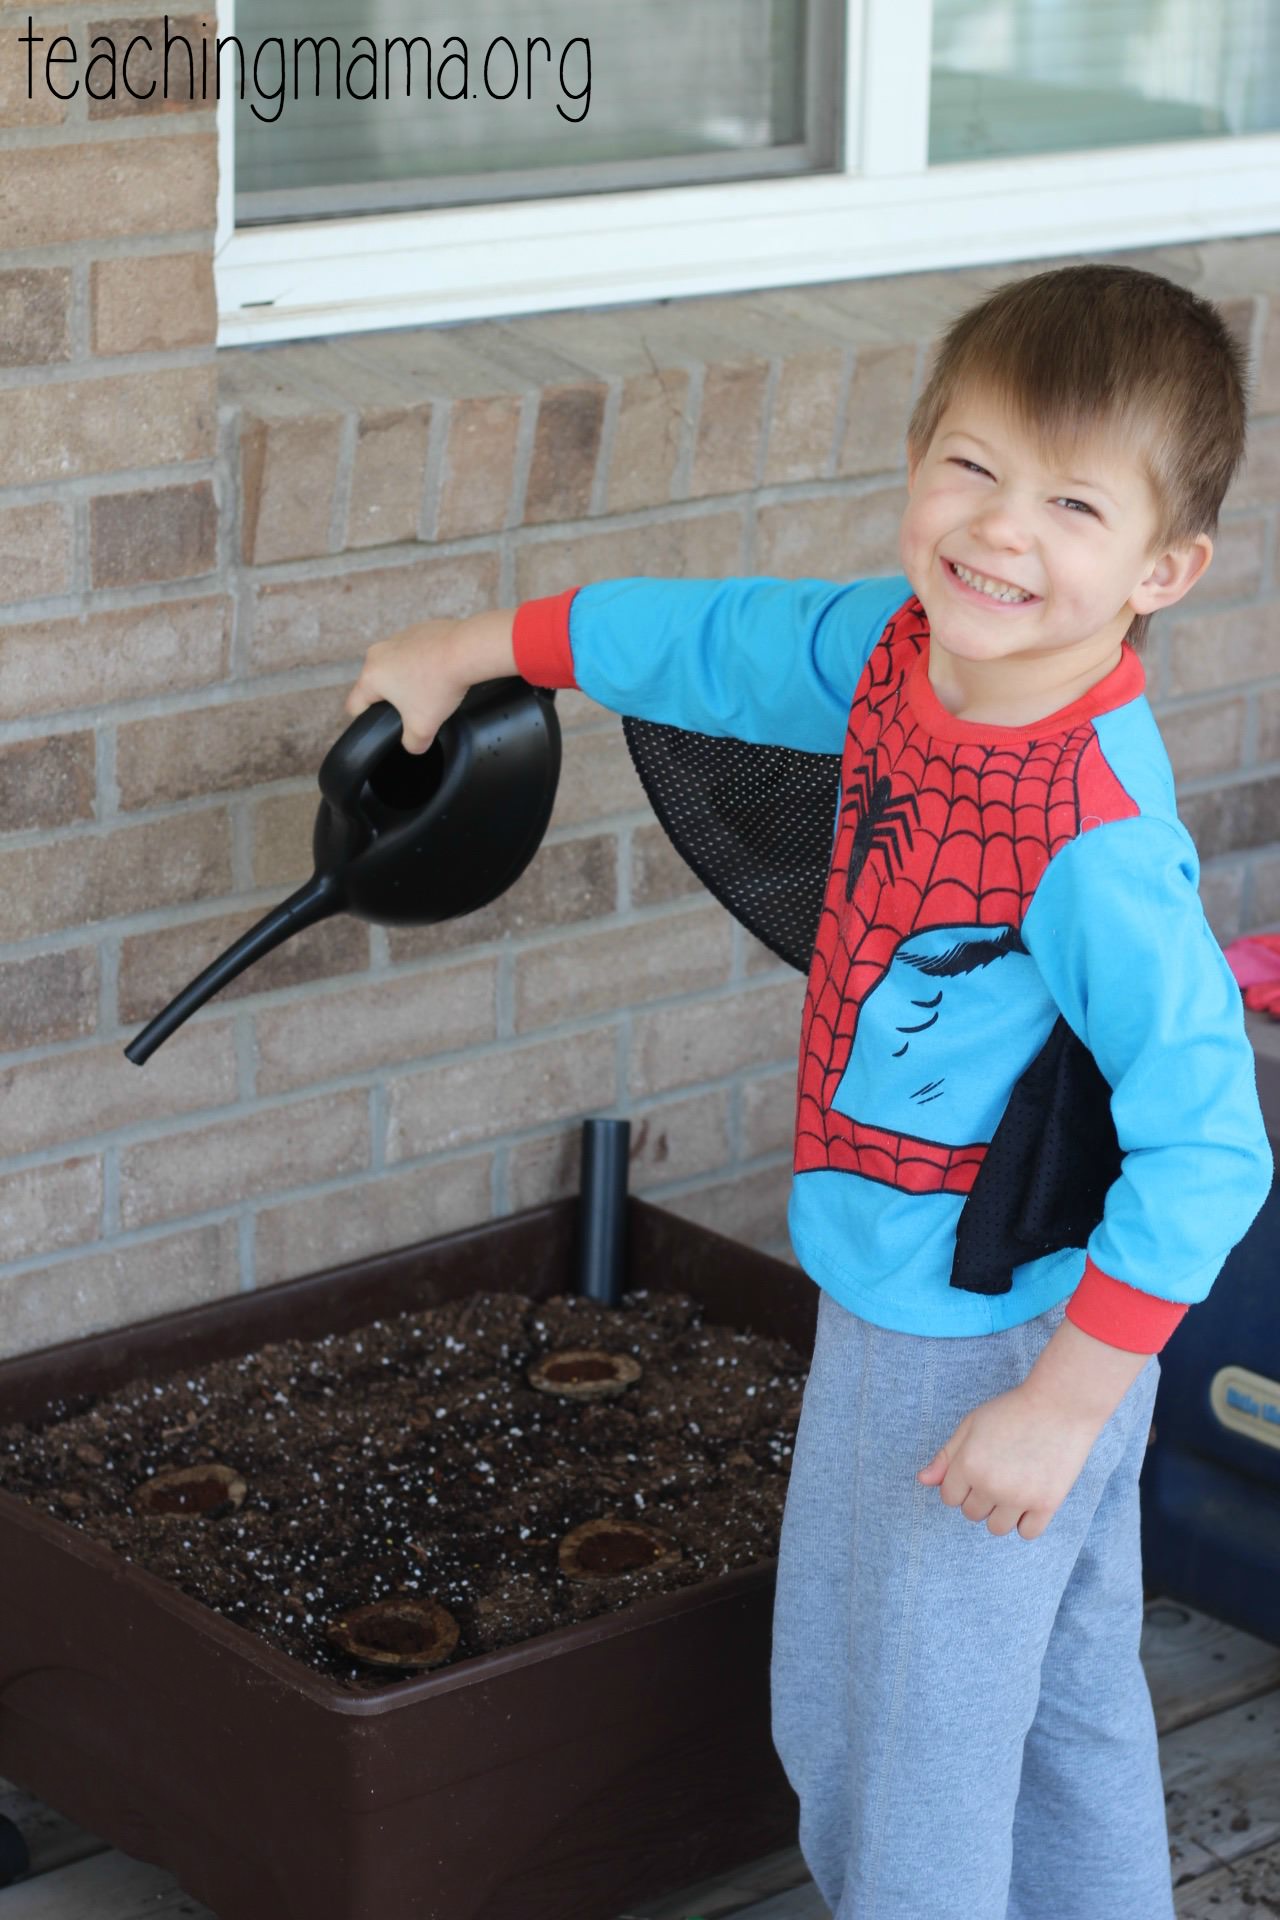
{"points": [[445, 434]]}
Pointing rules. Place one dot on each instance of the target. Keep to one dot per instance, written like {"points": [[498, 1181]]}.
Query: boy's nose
{"points": [[1000, 526]]}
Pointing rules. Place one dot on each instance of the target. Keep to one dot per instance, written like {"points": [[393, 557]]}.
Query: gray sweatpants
{"points": [[964, 1717]]}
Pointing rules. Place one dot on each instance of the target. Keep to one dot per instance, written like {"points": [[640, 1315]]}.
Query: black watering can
{"points": [[407, 839]]}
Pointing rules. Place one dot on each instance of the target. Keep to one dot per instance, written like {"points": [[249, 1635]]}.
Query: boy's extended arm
{"points": [[772, 662]]}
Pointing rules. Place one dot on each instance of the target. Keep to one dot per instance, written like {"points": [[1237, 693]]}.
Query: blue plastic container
{"points": [[1210, 1485]]}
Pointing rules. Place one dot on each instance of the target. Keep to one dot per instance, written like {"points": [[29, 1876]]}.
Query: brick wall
{"points": [[199, 547]]}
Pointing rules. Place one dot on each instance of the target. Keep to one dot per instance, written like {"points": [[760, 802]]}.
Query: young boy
{"points": [[958, 1698]]}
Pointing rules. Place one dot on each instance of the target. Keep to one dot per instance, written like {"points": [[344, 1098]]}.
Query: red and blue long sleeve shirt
{"points": [[984, 881]]}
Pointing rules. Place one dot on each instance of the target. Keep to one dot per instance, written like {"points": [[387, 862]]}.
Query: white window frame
{"points": [[886, 212]]}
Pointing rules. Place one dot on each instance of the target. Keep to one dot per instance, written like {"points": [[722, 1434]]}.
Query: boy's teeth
{"points": [[992, 587]]}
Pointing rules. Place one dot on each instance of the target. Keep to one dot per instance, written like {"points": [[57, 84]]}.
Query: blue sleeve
{"points": [[1119, 935], [771, 661]]}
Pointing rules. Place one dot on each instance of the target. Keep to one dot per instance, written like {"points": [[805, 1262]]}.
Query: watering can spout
{"points": [[321, 896]]}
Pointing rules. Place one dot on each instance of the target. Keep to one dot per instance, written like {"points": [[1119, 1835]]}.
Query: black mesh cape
{"points": [[757, 826]]}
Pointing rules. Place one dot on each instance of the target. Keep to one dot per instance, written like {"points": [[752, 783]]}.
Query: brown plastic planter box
{"points": [[601, 1764]]}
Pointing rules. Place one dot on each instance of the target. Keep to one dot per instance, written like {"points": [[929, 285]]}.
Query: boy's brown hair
{"points": [[1102, 347]]}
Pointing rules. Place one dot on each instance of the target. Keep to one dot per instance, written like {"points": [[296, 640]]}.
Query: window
{"points": [[488, 101], [571, 155]]}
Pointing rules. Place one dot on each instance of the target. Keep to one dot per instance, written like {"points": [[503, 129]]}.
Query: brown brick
{"points": [[307, 623], [578, 712], [757, 958], [597, 779], [647, 439], [1266, 397], [177, 86], [507, 1091], [45, 1208], [805, 404], [288, 471], [214, 1166], [1222, 896], [479, 462], [566, 447], [668, 1142], [91, 1090], [46, 783], [1204, 739], [118, 1287], [387, 479], [831, 539], [48, 997], [622, 967], [730, 425], [879, 407], [717, 1035], [693, 548], [769, 1113], [1266, 894], [565, 883], [223, 749], [90, 877], [35, 311], [380, 1023], [35, 551], [1232, 818], [1234, 573], [750, 1208], [152, 534], [371, 1217], [282, 829], [107, 190], [1258, 482], [152, 303], [154, 966], [23, 104], [67, 428], [1238, 315], [657, 871], [1269, 729], [120, 654], [1224, 649]]}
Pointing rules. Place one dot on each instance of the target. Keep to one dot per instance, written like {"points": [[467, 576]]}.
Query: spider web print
{"points": [[932, 833]]}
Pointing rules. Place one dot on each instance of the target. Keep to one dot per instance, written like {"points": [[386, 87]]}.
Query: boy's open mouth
{"points": [[983, 587]]}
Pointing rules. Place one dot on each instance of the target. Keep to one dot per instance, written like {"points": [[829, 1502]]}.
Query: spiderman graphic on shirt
{"points": [[919, 977]]}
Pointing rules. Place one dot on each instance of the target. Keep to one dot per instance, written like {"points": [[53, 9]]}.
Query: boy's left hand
{"points": [[1011, 1463]]}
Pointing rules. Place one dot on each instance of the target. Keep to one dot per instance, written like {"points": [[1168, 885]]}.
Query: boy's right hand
{"points": [[417, 671]]}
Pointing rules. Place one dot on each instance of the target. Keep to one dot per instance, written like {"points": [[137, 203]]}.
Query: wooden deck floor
{"points": [[1217, 1700]]}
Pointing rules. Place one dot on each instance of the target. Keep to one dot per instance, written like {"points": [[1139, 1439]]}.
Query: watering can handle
{"points": [[354, 755]]}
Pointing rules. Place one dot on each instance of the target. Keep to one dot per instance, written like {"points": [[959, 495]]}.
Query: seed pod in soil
{"points": [[584, 1373], [209, 1490], [602, 1549], [404, 1631]]}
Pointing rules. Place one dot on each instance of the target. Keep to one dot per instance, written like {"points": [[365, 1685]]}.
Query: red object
{"points": [[1255, 962]]}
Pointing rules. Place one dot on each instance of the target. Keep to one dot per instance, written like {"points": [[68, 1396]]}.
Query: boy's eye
{"points": [[959, 461]]}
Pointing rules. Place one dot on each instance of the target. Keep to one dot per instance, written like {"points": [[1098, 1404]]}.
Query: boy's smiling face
{"points": [[1075, 534]]}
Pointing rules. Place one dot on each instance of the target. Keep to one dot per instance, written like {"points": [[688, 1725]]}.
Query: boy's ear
{"points": [[1172, 575]]}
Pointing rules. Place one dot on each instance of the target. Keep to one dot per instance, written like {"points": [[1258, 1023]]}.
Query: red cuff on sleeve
{"points": [[1121, 1315], [540, 640]]}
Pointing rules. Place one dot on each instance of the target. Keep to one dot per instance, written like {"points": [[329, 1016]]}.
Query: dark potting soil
{"points": [[412, 1460]]}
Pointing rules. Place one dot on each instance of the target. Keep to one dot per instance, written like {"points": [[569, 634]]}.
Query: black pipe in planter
{"points": [[602, 1210]]}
